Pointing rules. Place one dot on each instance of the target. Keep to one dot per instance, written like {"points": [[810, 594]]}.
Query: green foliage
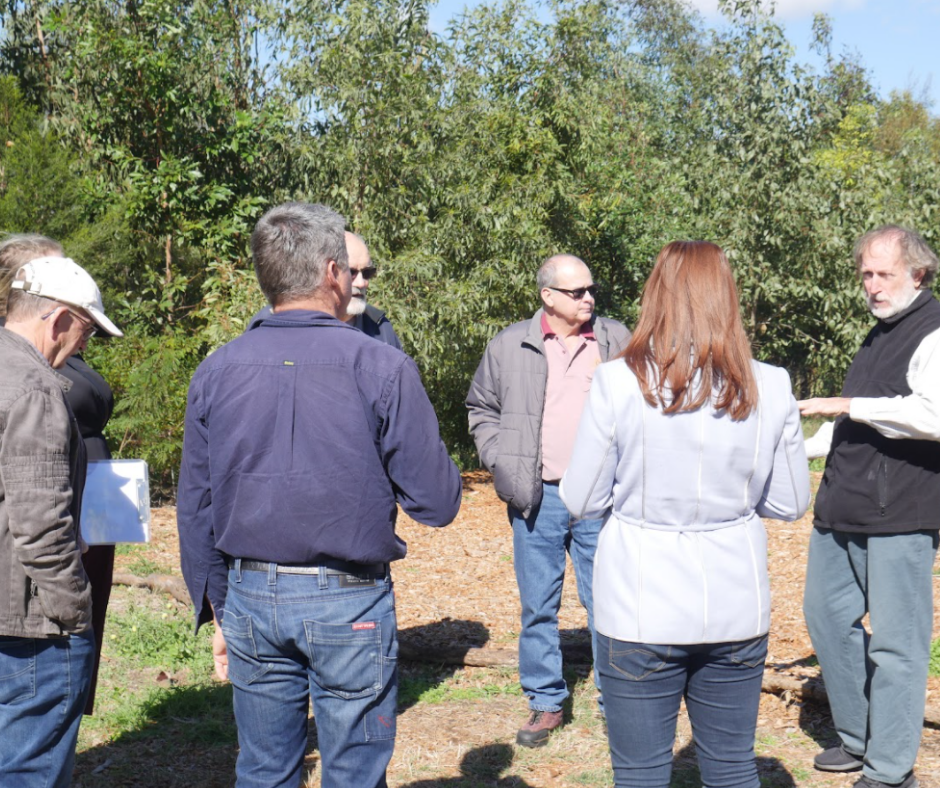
{"points": [[464, 158]]}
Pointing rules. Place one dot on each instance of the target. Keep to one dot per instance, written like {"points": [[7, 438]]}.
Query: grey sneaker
{"points": [[867, 782], [837, 759], [535, 732]]}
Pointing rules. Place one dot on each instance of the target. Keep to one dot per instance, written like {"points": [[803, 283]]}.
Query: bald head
{"points": [[557, 265]]}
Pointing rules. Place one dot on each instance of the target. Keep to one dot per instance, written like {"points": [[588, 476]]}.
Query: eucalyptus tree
{"points": [[166, 106]]}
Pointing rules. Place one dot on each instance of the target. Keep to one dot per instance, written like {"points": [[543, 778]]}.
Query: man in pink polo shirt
{"points": [[525, 403]]}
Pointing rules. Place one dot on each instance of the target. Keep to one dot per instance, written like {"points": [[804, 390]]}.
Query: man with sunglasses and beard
{"points": [[525, 403], [367, 318]]}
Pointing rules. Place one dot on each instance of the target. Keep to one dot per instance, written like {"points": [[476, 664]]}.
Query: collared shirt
{"points": [[569, 380], [302, 436]]}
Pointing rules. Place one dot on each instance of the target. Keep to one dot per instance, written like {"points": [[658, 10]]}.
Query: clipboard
{"points": [[116, 502]]}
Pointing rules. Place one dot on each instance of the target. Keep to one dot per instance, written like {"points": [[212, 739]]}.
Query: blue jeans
{"points": [[44, 684], [876, 686], [643, 685], [294, 637], [539, 546]]}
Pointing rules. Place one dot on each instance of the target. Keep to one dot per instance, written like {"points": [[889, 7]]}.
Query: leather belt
{"points": [[331, 566]]}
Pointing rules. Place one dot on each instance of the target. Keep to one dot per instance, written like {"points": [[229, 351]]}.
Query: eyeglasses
{"points": [[89, 328], [367, 273], [578, 293]]}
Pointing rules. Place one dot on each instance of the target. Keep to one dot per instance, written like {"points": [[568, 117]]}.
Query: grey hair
{"points": [[548, 272], [291, 246], [915, 253], [15, 251]]}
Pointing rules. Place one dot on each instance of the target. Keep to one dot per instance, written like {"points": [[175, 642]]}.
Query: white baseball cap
{"points": [[62, 279]]}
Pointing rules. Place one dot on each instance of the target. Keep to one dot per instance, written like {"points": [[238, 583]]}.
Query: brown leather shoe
{"points": [[535, 732]]}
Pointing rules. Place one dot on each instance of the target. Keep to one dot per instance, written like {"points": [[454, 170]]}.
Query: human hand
{"points": [[824, 406], [219, 653]]}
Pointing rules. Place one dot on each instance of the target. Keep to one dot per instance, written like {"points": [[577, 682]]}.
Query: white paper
{"points": [[116, 502]]}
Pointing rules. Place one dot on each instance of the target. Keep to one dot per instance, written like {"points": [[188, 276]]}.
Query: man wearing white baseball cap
{"points": [[46, 642]]}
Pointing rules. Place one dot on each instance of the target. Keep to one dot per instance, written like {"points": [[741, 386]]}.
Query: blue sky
{"points": [[897, 40]]}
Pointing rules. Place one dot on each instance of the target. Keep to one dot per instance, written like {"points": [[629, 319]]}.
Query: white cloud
{"points": [[789, 9]]}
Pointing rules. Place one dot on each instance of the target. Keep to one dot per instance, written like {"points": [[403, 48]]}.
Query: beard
{"points": [[889, 306], [357, 304]]}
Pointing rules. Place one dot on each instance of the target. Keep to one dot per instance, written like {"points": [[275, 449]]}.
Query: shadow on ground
{"points": [[685, 771], [181, 737], [481, 767]]}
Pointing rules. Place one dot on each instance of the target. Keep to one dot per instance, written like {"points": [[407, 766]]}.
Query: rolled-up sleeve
{"points": [[916, 415]]}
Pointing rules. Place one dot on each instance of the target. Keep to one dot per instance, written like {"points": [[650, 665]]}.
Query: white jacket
{"points": [[682, 557]]}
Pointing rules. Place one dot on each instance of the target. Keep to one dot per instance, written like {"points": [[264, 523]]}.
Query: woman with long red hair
{"points": [[686, 442]]}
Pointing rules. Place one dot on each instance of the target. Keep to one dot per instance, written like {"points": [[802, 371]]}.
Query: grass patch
{"points": [[159, 717], [424, 684], [161, 639], [143, 564], [934, 669], [811, 425]]}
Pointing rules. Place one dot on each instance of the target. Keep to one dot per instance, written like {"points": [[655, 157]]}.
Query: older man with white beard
{"points": [[367, 318], [877, 517]]}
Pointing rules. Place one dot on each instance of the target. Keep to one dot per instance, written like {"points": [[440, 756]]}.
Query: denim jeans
{"points": [[643, 685], [539, 546], [44, 684], [323, 637], [877, 685]]}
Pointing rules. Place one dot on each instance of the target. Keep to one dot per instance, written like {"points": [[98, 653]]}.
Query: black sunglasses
{"points": [[578, 293], [367, 273]]}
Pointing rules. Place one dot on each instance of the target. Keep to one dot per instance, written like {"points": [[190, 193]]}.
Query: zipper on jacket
{"points": [[883, 485]]}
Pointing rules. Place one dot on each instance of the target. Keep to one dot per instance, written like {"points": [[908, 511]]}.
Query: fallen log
{"points": [[811, 689]]}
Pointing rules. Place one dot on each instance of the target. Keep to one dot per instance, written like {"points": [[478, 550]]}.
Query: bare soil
{"points": [[457, 588]]}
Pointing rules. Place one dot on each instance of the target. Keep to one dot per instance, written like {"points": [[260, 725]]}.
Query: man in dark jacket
{"points": [[46, 642], [525, 403], [302, 436], [877, 517], [367, 318]]}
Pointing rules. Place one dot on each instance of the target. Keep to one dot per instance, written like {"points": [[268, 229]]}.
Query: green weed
{"points": [[144, 566], [161, 640], [935, 658]]}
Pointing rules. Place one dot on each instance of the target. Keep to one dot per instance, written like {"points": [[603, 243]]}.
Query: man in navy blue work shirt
{"points": [[302, 436], [366, 317]]}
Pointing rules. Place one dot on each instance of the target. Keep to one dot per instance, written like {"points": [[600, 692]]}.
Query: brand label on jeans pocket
{"points": [[351, 581], [363, 625]]}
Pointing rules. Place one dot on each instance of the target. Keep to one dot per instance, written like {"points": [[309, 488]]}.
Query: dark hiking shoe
{"points": [[541, 723], [867, 782], [836, 759]]}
